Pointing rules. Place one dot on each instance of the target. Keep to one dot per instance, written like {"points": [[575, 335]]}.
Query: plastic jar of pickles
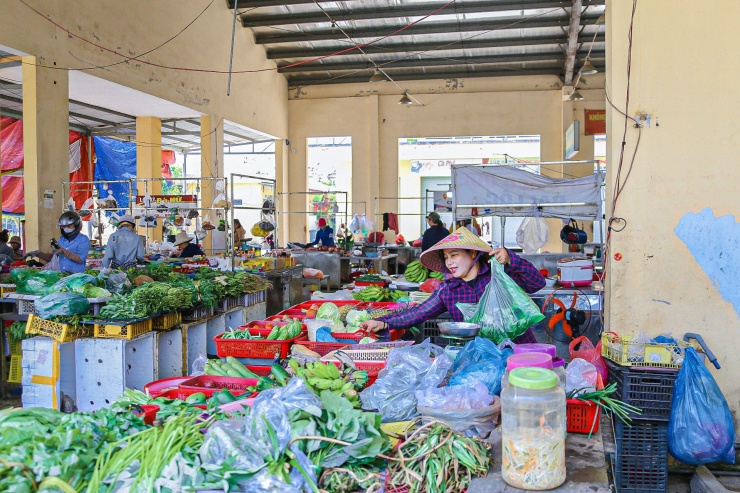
{"points": [[533, 430]]}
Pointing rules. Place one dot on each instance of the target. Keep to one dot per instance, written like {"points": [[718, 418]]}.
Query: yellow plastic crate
{"points": [[396, 430], [15, 348], [621, 349], [14, 376], [111, 330], [166, 322], [58, 331], [6, 288]]}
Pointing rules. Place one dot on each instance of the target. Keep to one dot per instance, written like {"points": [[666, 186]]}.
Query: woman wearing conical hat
{"points": [[463, 258]]}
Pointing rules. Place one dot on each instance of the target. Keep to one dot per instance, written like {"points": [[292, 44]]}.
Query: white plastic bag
{"points": [[199, 366], [532, 233], [355, 226], [580, 376]]}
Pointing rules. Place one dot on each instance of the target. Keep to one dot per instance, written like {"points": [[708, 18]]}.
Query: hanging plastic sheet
{"points": [[80, 191], [11, 144], [116, 160], [13, 195]]}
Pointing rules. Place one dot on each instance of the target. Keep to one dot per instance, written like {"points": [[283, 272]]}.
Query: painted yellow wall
{"points": [[258, 100], [685, 165], [371, 115]]}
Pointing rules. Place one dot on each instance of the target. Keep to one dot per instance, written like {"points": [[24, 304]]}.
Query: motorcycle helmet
{"points": [[69, 224]]}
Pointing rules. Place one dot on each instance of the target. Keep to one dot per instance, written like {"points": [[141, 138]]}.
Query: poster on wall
{"points": [[443, 202], [595, 122], [573, 139], [164, 203]]}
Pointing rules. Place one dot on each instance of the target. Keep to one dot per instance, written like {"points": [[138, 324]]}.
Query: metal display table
{"points": [[287, 288], [379, 263], [334, 265]]}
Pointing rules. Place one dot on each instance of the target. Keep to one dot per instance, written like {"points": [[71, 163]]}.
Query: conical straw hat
{"points": [[461, 239]]}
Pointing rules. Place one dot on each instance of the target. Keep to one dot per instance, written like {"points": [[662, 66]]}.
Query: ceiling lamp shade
{"points": [[588, 68], [378, 76], [576, 96], [405, 99]]}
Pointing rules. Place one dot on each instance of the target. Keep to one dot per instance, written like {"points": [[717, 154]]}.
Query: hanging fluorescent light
{"points": [[588, 68], [576, 96], [378, 76], [405, 99]]}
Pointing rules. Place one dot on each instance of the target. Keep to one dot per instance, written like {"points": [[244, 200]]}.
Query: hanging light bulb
{"points": [[576, 96], [378, 76], [405, 99]]}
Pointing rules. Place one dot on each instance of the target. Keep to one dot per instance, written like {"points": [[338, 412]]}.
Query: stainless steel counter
{"points": [[406, 254], [287, 288], [331, 264]]}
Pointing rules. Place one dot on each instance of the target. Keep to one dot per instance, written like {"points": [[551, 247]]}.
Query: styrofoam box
{"points": [[214, 327], [255, 312], [106, 367], [169, 353], [38, 361], [195, 344]]}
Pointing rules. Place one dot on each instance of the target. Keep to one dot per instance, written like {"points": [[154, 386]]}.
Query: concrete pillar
{"points": [[45, 149], [211, 166], [298, 182], [282, 185], [149, 164]]}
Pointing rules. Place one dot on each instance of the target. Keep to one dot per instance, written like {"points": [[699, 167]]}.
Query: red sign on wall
{"points": [[595, 122]]}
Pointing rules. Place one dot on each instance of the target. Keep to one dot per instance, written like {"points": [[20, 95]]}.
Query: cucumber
{"points": [[230, 372], [215, 369], [240, 368]]}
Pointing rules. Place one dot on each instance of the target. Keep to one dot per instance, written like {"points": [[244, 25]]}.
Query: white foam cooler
{"points": [[575, 271]]}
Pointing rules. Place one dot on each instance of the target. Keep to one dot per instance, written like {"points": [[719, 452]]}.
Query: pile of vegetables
{"points": [[17, 332], [376, 293], [145, 301], [604, 399], [344, 382]]}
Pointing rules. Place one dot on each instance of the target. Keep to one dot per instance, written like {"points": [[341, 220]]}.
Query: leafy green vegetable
{"points": [[329, 311], [91, 291]]}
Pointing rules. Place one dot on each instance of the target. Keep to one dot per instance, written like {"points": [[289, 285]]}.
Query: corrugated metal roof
{"points": [[321, 42]]}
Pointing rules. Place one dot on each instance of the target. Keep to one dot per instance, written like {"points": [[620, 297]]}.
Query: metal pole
{"points": [[503, 231], [231, 54]]}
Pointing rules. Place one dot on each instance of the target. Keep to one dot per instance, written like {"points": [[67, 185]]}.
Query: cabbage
{"points": [[356, 317], [91, 291], [329, 311], [75, 283], [336, 326]]}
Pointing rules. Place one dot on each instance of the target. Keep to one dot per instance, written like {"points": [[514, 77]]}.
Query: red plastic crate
{"points": [[382, 284], [308, 304], [262, 325], [323, 348], [159, 387], [581, 416], [237, 386], [175, 394], [260, 371], [371, 367], [279, 317], [150, 413], [292, 312], [256, 349]]}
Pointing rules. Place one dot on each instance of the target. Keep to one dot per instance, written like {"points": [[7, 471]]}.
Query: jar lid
{"points": [[558, 362], [535, 348], [539, 360], [533, 378]]}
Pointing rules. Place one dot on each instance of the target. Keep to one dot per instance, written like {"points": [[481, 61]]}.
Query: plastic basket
{"points": [[292, 312], [260, 371], [16, 348], [369, 360], [650, 389], [322, 348], [430, 328], [279, 317], [582, 417], [229, 303], [395, 430], [641, 459], [26, 307], [150, 413], [123, 330], [166, 322], [58, 331], [6, 288], [160, 387], [247, 348], [14, 372], [237, 386], [381, 284], [308, 304], [198, 313], [622, 350]]}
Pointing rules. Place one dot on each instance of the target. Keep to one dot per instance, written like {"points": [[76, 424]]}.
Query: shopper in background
{"points": [[185, 247], [5, 249], [325, 235], [435, 233], [239, 232], [124, 246], [15, 243], [463, 258], [72, 247]]}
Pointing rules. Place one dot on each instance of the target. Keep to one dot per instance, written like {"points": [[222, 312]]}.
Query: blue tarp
{"points": [[116, 160]]}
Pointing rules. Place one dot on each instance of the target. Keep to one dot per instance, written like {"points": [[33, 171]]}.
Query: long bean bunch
{"points": [[604, 399]]}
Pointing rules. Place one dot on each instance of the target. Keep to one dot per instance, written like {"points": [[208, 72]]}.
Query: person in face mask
{"points": [[72, 247]]}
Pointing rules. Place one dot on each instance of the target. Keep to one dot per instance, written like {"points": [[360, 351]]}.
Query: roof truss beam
{"points": [[421, 28], [408, 10], [429, 61], [573, 31], [292, 53]]}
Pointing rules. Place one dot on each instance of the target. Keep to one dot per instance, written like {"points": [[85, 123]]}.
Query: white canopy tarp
{"points": [[512, 192]]}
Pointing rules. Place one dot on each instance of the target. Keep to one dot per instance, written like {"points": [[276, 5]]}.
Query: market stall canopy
{"points": [[484, 190]]}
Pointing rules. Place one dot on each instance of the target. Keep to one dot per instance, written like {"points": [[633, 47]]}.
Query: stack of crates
{"points": [[640, 464]]}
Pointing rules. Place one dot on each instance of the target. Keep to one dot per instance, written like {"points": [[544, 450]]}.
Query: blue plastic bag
{"points": [[701, 428], [480, 360]]}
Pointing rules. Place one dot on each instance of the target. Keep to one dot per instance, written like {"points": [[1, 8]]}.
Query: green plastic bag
{"points": [[36, 282], [75, 283], [61, 304], [504, 311]]}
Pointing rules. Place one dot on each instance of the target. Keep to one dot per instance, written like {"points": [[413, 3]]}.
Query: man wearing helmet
{"points": [[124, 246], [72, 247]]}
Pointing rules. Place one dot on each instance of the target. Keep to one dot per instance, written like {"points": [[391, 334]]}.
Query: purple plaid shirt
{"points": [[458, 291]]}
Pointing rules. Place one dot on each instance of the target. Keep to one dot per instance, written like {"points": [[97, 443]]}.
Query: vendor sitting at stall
{"points": [[325, 235], [15, 243], [124, 246], [185, 247], [435, 233], [72, 247], [463, 258]]}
